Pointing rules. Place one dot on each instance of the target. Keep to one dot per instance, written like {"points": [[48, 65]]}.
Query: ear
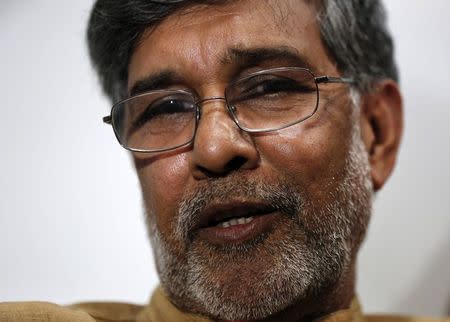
{"points": [[381, 129]]}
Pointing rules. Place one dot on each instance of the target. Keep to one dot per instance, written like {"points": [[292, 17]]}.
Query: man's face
{"points": [[304, 191]]}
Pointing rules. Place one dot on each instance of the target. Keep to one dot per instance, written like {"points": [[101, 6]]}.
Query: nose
{"points": [[220, 147]]}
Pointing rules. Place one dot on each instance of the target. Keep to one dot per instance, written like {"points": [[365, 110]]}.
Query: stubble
{"points": [[310, 247]]}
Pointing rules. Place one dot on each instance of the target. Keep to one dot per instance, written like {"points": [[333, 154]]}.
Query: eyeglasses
{"points": [[265, 101]]}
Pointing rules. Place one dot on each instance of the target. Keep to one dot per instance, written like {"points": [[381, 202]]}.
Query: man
{"points": [[260, 131]]}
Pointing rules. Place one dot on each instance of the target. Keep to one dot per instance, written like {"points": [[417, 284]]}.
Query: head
{"points": [[252, 225]]}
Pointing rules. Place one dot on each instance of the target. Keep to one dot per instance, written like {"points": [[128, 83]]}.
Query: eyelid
{"points": [[147, 110], [256, 79], [266, 80]]}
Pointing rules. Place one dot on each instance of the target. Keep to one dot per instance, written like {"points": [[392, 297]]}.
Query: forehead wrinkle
{"points": [[196, 23], [285, 14], [197, 49], [201, 32]]}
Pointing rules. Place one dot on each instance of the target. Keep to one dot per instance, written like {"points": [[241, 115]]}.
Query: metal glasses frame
{"points": [[317, 80]]}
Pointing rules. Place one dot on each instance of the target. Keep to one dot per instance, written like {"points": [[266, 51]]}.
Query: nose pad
{"points": [[220, 146]]}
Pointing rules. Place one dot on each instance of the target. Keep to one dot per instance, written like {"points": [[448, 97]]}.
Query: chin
{"points": [[256, 279]]}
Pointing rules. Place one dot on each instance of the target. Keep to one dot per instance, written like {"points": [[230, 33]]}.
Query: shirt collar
{"points": [[161, 309], [352, 314]]}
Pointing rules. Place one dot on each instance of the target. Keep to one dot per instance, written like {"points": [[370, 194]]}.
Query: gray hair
{"points": [[356, 35]]}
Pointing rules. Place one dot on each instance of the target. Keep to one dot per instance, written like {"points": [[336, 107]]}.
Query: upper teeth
{"points": [[235, 221]]}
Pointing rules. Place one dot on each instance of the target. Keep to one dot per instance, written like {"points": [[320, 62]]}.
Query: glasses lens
{"points": [[155, 121], [273, 100]]}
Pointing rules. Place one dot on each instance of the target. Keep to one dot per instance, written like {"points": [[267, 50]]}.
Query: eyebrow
{"points": [[160, 80], [240, 58], [251, 57]]}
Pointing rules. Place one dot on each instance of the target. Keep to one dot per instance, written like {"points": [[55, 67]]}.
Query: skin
{"points": [[193, 44]]}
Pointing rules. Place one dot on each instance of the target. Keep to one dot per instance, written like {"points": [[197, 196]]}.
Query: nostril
{"points": [[235, 163], [220, 147]]}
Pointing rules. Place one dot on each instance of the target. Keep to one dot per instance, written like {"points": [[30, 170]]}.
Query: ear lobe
{"points": [[382, 127]]}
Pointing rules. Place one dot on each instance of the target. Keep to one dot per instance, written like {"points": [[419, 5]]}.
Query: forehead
{"points": [[199, 38]]}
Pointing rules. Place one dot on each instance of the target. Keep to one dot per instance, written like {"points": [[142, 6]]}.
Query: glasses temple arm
{"points": [[107, 119], [331, 79]]}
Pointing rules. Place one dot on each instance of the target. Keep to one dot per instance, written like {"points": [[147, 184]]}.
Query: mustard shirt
{"points": [[160, 309]]}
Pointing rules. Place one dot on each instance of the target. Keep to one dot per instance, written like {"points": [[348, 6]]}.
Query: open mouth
{"points": [[230, 214], [236, 222]]}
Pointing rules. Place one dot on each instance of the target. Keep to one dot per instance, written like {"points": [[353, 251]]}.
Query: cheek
{"points": [[162, 182], [313, 157]]}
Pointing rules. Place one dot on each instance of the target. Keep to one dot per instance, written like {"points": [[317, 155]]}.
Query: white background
{"points": [[71, 225]]}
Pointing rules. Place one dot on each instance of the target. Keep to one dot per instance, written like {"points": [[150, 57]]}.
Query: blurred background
{"points": [[71, 224]]}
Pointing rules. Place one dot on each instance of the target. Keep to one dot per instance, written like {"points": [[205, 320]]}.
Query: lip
{"points": [[263, 215]]}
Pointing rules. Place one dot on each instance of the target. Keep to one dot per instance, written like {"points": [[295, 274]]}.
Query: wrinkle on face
{"points": [[207, 33], [311, 157], [194, 51]]}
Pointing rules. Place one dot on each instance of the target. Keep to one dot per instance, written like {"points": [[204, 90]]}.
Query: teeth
{"points": [[235, 221]]}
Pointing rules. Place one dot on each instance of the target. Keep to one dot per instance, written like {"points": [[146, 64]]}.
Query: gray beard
{"points": [[316, 247]]}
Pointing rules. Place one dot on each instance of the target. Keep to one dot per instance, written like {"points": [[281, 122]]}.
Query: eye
{"points": [[166, 108], [169, 106], [271, 85]]}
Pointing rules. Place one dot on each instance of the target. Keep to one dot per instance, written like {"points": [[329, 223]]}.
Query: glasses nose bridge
{"points": [[200, 103], [210, 99]]}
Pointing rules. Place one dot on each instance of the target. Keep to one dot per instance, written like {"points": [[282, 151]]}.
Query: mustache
{"points": [[282, 195]]}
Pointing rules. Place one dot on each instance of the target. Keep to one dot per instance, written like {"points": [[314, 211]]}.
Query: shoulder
{"points": [[82, 312], [40, 311], [393, 318]]}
